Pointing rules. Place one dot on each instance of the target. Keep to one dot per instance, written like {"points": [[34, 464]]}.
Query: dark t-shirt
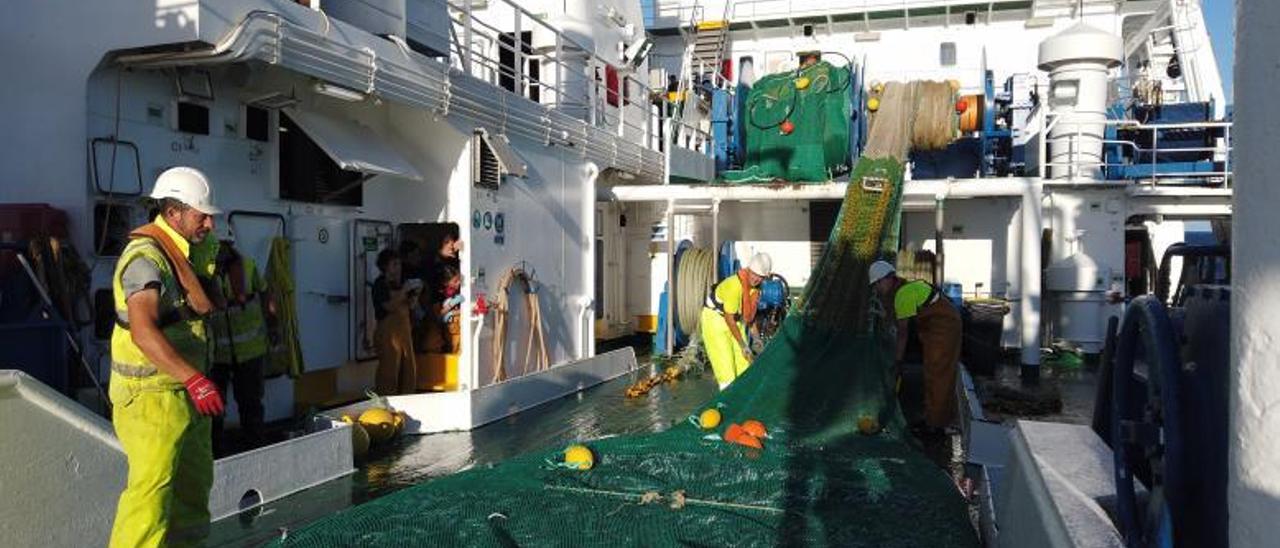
{"points": [[381, 296]]}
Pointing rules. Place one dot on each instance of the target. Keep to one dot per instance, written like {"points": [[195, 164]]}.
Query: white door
{"points": [[321, 266]]}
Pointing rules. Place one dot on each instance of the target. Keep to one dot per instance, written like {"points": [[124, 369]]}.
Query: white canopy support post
{"points": [[1253, 479], [715, 238], [1029, 305], [671, 275]]}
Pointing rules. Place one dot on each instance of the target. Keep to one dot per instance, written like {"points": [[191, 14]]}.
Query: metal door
{"points": [[322, 266]]}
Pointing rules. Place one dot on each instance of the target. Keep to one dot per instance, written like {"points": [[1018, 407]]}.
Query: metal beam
{"points": [[916, 194]]}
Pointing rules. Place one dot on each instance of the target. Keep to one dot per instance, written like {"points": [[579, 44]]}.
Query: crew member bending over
{"points": [[730, 307], [939, 327]]}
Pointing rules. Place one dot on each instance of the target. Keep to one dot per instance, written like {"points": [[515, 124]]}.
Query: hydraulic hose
{"points": [[694, 276], [536, 357]]}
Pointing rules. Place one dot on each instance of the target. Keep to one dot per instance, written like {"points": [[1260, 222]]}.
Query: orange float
{"points": [[755, 428]]}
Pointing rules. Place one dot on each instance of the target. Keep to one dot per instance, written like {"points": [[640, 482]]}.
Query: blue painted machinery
{"points": [[1184, 150], [1163, 408]]}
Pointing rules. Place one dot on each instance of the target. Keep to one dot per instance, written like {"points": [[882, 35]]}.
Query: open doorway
{"points": [[429, 252]]}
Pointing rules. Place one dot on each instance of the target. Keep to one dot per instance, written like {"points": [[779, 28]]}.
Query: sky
{"points": [[1220, 17]]}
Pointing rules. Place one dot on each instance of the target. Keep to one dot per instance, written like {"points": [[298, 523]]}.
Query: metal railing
{"points": [[517, 50], [666, 14], [1085, 132]]}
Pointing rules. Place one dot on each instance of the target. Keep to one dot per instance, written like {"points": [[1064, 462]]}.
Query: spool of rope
{"points": [[535, 358], [694, 275], [912, 115], [971, 114], [935, 123]]}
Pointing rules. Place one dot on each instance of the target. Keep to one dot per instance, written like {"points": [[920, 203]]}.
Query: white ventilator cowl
{"points": [[760, 264], [187, 185], [879, 270]]}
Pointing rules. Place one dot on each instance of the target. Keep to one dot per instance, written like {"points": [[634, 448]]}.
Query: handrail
{"points": [[1076, 164], [568, 76]]}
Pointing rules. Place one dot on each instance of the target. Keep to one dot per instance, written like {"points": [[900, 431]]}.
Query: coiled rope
{"points": [[535, 358]]}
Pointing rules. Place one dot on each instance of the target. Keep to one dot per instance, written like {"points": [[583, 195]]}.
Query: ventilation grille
{"points": [[486, 172]]}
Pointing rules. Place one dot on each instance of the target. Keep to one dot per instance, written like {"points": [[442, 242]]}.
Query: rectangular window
{"points": [[947, 54], [193, 118], [531, 67], [257, 123], [308, 174]]}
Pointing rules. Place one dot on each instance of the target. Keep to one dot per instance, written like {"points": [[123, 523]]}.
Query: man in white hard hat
{"points": [[162, 402], [939, 328], [730, 308]]}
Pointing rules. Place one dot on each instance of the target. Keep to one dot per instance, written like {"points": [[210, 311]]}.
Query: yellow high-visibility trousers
{"points": [[168, 446], [724, 352]]}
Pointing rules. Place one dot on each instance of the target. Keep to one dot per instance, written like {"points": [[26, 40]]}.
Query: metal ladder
{"points": [[704, 53]]}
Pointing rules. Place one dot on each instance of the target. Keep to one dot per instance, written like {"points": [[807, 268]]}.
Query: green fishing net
{"points": [[818, 480], [819, 109]]}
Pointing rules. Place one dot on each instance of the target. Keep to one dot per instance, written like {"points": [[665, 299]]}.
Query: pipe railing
{"points": [[570, 76], [1074, 141]]}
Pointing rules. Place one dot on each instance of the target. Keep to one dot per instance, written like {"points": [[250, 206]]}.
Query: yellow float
{"points": [[359, 438], [709, 419], [579, 457], [380, 423]]}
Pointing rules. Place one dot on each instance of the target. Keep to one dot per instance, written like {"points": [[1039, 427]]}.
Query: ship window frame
{"points": [[191, 116], [947, 55]]}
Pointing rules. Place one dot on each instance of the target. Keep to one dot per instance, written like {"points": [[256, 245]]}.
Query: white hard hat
{"points": [[879, 270], [187, 185], [760, 264]]}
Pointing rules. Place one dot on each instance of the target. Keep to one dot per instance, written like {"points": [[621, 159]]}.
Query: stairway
{"points": [[709, 41]]}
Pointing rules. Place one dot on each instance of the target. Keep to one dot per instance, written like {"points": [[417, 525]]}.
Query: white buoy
{"points": [[1078, 60]]}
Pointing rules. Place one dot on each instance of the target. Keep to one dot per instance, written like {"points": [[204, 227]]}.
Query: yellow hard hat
{"points": [[873, 104]]}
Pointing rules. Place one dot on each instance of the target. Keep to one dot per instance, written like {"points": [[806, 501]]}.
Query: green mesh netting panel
{"points": [[820, 113], [817, 482]]}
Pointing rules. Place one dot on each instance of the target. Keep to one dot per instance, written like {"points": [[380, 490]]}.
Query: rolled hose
{"points": [[694, 275]]}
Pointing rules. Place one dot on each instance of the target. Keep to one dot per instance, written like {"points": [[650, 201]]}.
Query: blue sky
{"points": [[1220, 17]]}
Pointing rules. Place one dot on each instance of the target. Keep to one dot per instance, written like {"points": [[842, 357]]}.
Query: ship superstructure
{"points": [[582, 149], [1119, 157]]}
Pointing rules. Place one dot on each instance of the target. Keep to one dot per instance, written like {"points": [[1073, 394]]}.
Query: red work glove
{"points": [[204, 394]]}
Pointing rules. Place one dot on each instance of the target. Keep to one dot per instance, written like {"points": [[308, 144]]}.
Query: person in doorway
{"points": [[449, 248], [393, 301], [938, 325], [730, 307], [240, 341], [162, 402], [412, 261], [809, 58], [444, 326]]}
